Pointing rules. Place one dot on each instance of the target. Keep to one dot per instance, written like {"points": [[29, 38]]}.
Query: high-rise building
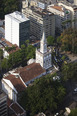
{"points": [[43, 55], [75, 2], [73, 9], [62, 17], [3, 104], [40, 18], [17, 28], [42, 3]]}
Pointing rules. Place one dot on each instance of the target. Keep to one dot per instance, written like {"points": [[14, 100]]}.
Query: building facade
{"points": [[73, 10], [3, 104], [62, 17], [9, 89], [43, 55], [75, 2], [17, 28], [16, 81], [39, 19]]}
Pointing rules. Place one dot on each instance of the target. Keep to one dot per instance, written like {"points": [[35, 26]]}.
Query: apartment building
{"points": [[17, 28], [73, 9], [62, 17], [75, 2], [3, 104], [37, 2], [40, 18]]}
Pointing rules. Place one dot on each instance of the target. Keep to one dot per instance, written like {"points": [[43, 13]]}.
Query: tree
{"points": [[1, 54], [68, 40], [4, 64], [8, 49], [8, 6], [63, 57], [20, 57], [45, 94], [23, 54], [27, 42], [50, 40], [73, 112], [69, 71], [30, 52]]}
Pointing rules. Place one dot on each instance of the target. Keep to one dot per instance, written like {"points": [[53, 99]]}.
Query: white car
{"points": [[56, 78], [75, 90]]}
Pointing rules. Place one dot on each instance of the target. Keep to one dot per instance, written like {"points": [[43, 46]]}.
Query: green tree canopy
{"points": [[44, 95], [4, 64], [30, 52], [1, 53], [69, 71], [8, 6], [50, 40], [73, 112], [20, 57], [68, 40]]}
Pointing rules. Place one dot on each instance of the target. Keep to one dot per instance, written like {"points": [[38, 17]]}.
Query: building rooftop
{"points": [[30, 72], [18, 16], [60, 8], [41, 12], [68, 4], [17, 83], [4, 43], [9, 102], [16, 108], [22, 75], [16, 48]]}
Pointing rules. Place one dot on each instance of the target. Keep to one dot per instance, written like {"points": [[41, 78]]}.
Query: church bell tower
{"points": [[43, 55]]}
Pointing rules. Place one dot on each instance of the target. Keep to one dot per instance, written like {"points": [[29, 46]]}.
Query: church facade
{"points": [[43, 55]]}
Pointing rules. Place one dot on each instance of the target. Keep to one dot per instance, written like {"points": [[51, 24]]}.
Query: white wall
{"points": [[5, 54], [8, 88], [69, 8], [75, 2], [8, 30], [15, 32], [11, 30]]}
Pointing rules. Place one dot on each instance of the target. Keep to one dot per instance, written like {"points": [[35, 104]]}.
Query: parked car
{"points": [[75, 90]]}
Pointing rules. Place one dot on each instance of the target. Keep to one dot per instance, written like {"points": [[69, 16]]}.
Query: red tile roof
{"points": [[57, 7], [9, 102], [17, 83], [16, 108], [16, 49], [9, 45], [27, 73], [30, 72], [7, 42]]}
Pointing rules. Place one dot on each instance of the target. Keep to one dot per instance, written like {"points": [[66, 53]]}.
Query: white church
{"points": [[43, 55], [15, 82]]}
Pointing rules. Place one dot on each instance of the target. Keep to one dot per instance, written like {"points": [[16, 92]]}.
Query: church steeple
{"points": [[43, 56], [43, 43]]}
